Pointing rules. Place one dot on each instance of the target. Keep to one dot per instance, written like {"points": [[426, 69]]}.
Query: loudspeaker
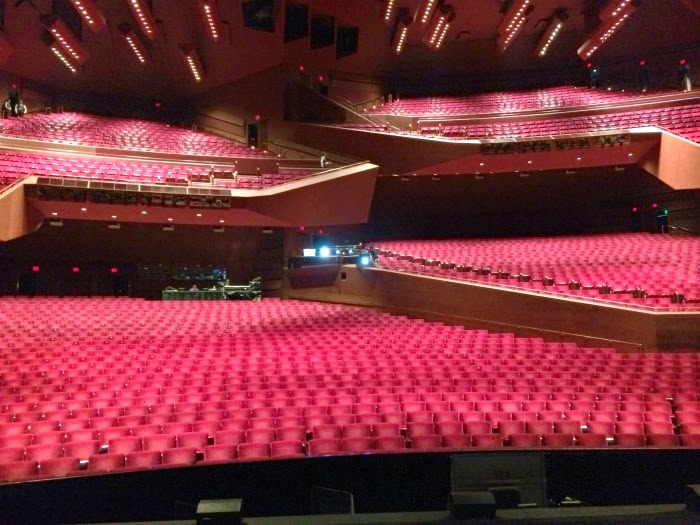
{"points": [[465, 505], [219, 512]]}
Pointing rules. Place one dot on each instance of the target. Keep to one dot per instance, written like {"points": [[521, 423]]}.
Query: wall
{"points": [[523, 313]]}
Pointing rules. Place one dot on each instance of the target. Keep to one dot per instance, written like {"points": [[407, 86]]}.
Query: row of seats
{"points": [[619, 265], [511, 101], [16, 164], [121, 133], [681, 120], [99, 377]]}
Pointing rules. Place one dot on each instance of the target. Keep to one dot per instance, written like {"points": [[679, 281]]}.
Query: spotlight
{"points": [[324, 251], [364, 260]]}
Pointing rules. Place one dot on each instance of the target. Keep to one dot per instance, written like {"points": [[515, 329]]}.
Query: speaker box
{"points": [[219, 512], [465, 505]]}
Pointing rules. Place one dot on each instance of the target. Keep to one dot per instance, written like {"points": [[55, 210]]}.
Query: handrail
{"points": [[680, 228]]}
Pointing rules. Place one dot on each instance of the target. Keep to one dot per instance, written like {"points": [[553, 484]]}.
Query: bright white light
{"points": [[324, 251]]}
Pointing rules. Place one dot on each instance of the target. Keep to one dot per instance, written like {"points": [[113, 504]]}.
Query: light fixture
{"points": [[65, 39], [212, 20], [388, 9], [553, 29], [63, 57], [194, 65], [134, 42], [613, 9], [439, 25], [90, 14], [143, 17], [399, 40], [513, 21], [604, 31], [426, 10]]}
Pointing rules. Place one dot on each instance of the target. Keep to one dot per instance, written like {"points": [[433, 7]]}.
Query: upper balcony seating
{"points": [[290, 378], [125, 134], [620, 264], [16, 164], [497, 103], [681, 120]]}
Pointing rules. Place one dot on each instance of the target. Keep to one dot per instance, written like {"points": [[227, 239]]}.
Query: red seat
{"points": [[159, 441], [477, 427], [487, 440], [106, 462], [389, 443], [230, 437], [254, 450], [357, 444], [426, 442], [591, 440], [221, 452], [125, 445], [524, 440], [629, 440], [9, 454], [323, 446], [18, 470], [59, 467], [81, 449], [144, 459], [386, 429], [44, 452], [662, 440], [179, 456], [558, 440], [456, 440], [260, 435], [287, 448]]}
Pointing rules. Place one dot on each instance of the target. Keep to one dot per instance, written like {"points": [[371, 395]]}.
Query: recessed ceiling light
{"points": [[144, 212], [529, 162], [630, 154], [221, 220], [54, 213], [169, 219], [114, 216], [578, 158], [199, 215], [83, 209]]}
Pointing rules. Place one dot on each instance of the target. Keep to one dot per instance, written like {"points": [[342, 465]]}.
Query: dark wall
{"points": [[544, 203], [95, 249]]}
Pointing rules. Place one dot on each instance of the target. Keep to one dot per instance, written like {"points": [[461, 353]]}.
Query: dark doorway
{"points": [[26, 283]]}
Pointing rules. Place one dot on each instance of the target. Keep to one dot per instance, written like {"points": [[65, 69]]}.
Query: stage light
{"points": [[114, 270], [388, 9], [134, 42], [613, 9], [35, 268], [324, 251], [212, 20], [193, 63], [513, 21], [400, 34], [60, 53], [553, 29], [426, 10], [603, 32], [90, 14], [364, 260], [65, 39], [143, 17], [438, 27], [76, 269]]}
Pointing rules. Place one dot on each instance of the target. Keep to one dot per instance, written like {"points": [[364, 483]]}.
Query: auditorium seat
{"points": [[179, 456], [59, 467], [524, 440], [357, 444], [323, 446], [106, 462], [290, 448]]}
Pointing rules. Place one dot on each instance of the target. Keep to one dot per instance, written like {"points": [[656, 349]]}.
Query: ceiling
{"points": [[657, 28]]}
